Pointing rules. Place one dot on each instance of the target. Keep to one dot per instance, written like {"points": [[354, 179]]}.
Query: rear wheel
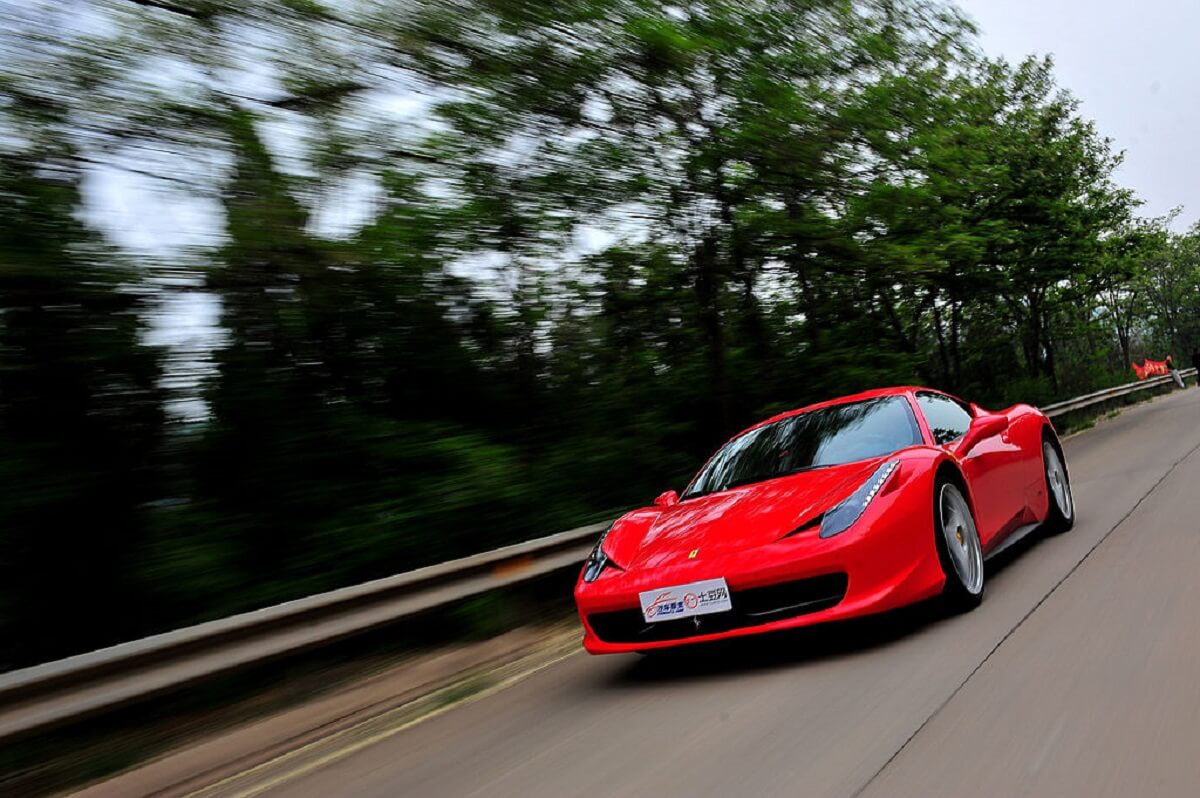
{"points": [[959, 549], [1061, 514]]}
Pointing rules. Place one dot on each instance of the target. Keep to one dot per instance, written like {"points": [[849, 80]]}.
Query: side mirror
{"points": [[982, 428], [667, 499]]}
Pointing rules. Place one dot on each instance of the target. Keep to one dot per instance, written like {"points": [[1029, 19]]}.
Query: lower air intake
{"points": [[751, 607]]}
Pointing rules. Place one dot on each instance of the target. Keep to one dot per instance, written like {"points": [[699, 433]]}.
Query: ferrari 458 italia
{"points": [[833, 511]]}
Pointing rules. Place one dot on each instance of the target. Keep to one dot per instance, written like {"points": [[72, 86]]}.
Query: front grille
{"points": [[751, 607]]}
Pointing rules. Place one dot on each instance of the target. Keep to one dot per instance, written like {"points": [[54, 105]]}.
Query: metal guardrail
{"points": [[41, 697], [1108, 394]]}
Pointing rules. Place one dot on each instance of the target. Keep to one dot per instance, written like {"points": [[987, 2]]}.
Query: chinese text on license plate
{"points": [[682, 601]]}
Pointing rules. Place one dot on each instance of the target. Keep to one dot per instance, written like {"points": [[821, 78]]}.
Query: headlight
{"points": [[597, 561], [841, 517]]}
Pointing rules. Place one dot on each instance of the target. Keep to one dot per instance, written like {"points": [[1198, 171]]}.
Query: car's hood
{"points": [[734, 519]]}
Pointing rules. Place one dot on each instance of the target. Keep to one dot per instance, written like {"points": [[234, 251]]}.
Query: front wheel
{"points": [[959, 549], [1061, 514]]}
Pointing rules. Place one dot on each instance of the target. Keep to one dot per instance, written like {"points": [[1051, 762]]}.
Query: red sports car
{"points": [[833, 511]]}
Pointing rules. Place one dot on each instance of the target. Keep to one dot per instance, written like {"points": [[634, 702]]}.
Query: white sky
{"points": [[1135, 65]]}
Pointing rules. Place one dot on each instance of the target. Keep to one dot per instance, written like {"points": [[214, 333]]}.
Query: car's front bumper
{"points": [[875, 566]]}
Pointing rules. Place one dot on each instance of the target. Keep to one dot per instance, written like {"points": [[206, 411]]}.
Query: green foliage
{"points": [[617, 232], [80, 416]]}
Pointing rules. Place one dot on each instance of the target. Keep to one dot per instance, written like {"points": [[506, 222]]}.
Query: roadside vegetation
{"points": [[580, 244]]}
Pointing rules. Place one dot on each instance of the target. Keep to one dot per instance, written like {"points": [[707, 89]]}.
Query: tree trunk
{"points": [[1033, 338], [1126, 356], [955, 355], [708, 297], [943, 354]]}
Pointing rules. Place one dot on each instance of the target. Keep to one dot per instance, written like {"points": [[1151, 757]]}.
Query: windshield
{"points": [[825, 437]]}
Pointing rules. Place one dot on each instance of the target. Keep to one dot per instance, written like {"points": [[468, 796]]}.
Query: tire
{"points": [[958, 547], [1061, 513]]}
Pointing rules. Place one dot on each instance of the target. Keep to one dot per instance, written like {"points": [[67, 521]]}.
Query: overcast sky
{"points": [[1135, 65]]}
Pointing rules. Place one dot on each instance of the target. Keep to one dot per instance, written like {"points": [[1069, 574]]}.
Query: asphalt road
{"points": [[1079, 675]]}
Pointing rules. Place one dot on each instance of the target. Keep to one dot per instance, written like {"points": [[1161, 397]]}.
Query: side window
{"points": [[947, 419]]}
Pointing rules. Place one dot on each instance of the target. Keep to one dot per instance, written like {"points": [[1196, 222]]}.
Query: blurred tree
{"points": [[80, 413], [1120, 284], [587, 241], [1169, 279]]}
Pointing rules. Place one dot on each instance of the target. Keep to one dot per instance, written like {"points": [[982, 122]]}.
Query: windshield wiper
{"points": [[802, 469]]}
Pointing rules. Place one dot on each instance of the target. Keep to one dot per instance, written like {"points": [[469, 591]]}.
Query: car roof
{"points": [[874, 393]]}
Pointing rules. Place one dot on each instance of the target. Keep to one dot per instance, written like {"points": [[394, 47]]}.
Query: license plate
{"points": [[683, 601]]}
